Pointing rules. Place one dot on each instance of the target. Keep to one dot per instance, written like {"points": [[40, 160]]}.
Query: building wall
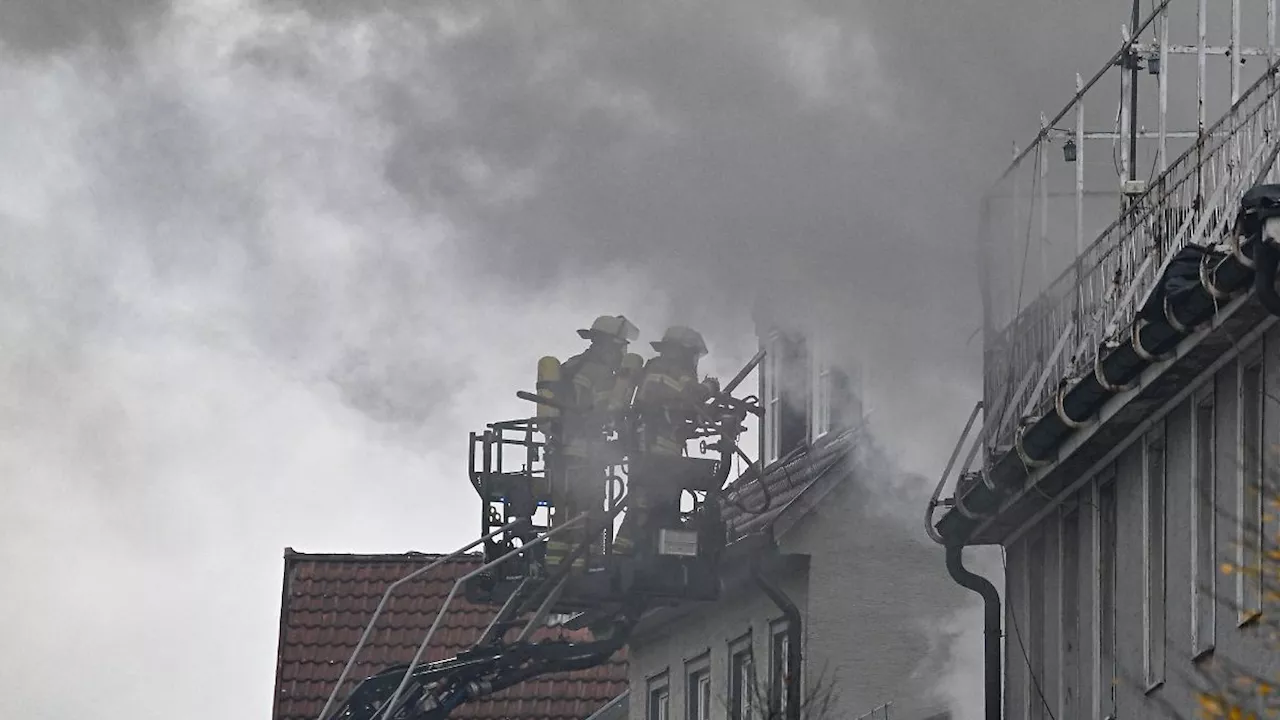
{"points": [[710, 633], [869, 597], [878, 590], [1153, 619]]}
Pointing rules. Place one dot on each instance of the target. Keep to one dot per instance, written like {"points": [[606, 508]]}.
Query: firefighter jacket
{"points": [[588, 381], [666, 403]]}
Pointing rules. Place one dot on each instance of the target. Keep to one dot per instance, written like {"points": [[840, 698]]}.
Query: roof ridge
{"points": [[412, 555]]}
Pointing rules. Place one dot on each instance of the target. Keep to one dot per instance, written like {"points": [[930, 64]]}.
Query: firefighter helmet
{"points": [[679, 336], [611, 327]]}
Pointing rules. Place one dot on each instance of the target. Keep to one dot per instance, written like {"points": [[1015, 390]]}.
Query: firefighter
{"points": [[588, 384], [665, 405]]}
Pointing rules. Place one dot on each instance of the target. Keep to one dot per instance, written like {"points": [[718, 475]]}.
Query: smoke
{"points": [[265, 263]]}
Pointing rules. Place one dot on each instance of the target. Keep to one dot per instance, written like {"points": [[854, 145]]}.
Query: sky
{"points": [[264, 264]]}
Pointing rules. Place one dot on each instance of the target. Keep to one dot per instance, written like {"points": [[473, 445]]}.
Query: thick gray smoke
{"points": [[265, 263]]}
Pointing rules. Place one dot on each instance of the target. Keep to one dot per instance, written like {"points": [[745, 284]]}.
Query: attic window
{"points": [[785, 385], [772, 396], [820, 420]]}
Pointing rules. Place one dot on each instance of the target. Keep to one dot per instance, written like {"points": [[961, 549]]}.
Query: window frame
{"points": [[742, 678], [1204, 494], [658, 686], [1248, 591], [1155, 470], [821, 393], [697, 694], [779, 642], [771, 395]]}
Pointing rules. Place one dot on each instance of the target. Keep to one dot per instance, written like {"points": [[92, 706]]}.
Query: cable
{"points": [[1013, 615]]}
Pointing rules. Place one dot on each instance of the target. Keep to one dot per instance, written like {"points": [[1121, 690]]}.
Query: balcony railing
{"points": [[1095, 301]]}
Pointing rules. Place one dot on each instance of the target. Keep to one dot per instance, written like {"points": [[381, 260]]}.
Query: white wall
{"points": [[1243, 645]]}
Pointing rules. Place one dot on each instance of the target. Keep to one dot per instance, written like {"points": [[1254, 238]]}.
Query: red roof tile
{"points": [[328, 600]]}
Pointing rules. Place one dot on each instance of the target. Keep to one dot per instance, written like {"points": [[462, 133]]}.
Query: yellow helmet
{"points": [[611, 327], [679, 336]]}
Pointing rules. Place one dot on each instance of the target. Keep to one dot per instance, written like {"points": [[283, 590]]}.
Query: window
{"points": [[658, 698], [1248, 490], [698, 689], [1153, 567], [1037, 702], [820, 419], [1105, 557], [772, 394], [1204, 546], [779, 647], [741, 680], [1069, 546], [786, 391]]}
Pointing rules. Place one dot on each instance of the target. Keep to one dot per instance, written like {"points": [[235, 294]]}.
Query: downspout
{"points": [[990, 626], [792, 614]]}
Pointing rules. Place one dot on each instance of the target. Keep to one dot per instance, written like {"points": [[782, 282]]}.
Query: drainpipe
{"points": [[792, 614], [990, 626]]}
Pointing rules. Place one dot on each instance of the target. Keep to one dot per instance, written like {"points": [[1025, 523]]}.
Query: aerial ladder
{"points": [[512, 466]]}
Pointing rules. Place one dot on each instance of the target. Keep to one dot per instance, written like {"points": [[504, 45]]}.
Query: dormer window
{"points": [[807, 392], [784, 394], [820, 415], [771, 399]]}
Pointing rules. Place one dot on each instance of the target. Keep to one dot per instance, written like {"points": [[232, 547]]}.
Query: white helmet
{"points": [[611, 327], [679, 336]]}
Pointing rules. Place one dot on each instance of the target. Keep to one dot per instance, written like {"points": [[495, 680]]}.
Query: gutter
{"points": [[990, 627], [1119, 365]]}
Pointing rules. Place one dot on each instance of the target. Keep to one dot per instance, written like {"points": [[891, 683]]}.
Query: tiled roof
{"points": [[786, 484], [328, 600]]}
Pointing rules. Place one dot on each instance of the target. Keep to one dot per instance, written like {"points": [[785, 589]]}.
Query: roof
{"points": [[328, 600], [819, 468]]}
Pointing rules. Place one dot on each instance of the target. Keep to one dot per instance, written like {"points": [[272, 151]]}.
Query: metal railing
{"points": [[1096, 300]]}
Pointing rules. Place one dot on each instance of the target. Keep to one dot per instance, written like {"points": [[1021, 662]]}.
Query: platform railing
{"points": [[1096, 300]]}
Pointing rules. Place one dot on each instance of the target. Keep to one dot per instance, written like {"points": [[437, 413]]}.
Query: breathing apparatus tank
{"points": [[548, 381], [627, 378]]}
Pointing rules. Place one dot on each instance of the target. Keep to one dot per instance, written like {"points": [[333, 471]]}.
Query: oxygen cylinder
{"points": [[627, 377], [548, 379]]}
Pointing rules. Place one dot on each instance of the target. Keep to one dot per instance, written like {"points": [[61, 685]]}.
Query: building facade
{"points": [[862, 582], [1116, 597]]}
